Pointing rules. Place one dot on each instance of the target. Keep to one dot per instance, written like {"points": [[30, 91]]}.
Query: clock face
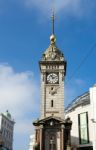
{"points": [[52, 78]]}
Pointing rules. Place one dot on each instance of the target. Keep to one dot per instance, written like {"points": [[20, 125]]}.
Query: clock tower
{"points": [[52, 131], [53, 71]]}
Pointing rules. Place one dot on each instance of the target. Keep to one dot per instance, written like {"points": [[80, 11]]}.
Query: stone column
{"points": [[62, 137], [35, 135], [41, 138]]}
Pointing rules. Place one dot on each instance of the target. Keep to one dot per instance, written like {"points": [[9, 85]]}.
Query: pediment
{"points": [[49, 120]]}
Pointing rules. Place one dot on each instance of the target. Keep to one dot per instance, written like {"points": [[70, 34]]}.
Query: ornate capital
{"points": [[62, 126], [41, 126]]}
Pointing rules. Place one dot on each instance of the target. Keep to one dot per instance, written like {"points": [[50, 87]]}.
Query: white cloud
{"points": [[19, 94], [57, 4], [65, 7], [72, 7]]}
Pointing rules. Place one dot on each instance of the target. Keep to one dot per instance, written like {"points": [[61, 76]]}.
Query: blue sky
{"points": [[25, 28]]}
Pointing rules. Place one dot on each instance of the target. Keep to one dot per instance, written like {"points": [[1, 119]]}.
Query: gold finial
{"points": [[52, 39]]}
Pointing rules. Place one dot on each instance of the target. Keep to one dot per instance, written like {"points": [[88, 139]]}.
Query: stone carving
{"points": [[53, 90], [53, 53]]}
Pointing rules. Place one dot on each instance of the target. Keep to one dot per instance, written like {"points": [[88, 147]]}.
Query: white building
{"points": [[82, 112], [32, 141], [93, 111], [6, 129]]}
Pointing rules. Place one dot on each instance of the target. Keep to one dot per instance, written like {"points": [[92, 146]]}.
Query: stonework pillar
{"points": [[35, 135], [62, 137], [41, 138]]}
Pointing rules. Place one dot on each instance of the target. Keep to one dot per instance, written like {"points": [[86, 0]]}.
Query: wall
{"points": [[93, 109]]}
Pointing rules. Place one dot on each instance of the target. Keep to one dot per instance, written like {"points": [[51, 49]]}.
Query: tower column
{"points": [[62, 137], [41, 138]]}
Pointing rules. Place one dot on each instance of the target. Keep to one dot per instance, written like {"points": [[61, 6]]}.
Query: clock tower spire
{"points": [[52, 37], [53, 22]]}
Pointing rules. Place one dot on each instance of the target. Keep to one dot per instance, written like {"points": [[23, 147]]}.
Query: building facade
{"points": [[82, 112], [6, 130]]}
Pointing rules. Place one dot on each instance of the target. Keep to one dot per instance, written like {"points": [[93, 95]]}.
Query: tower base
{"points": [[52, 133]]}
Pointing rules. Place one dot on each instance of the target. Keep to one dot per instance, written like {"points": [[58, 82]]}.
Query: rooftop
{"points": [[7, 115], [83, 99]]}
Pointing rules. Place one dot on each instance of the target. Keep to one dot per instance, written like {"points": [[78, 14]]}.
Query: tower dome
{"points": [[7, 114]]}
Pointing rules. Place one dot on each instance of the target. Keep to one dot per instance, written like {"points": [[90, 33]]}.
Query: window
{"points": [[5, 123], [4, 132], [83, 128], [2, 121], [51, 88], [51, 103]]}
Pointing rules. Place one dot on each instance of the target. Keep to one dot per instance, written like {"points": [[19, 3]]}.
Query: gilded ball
{"points": [[52, 38]]}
